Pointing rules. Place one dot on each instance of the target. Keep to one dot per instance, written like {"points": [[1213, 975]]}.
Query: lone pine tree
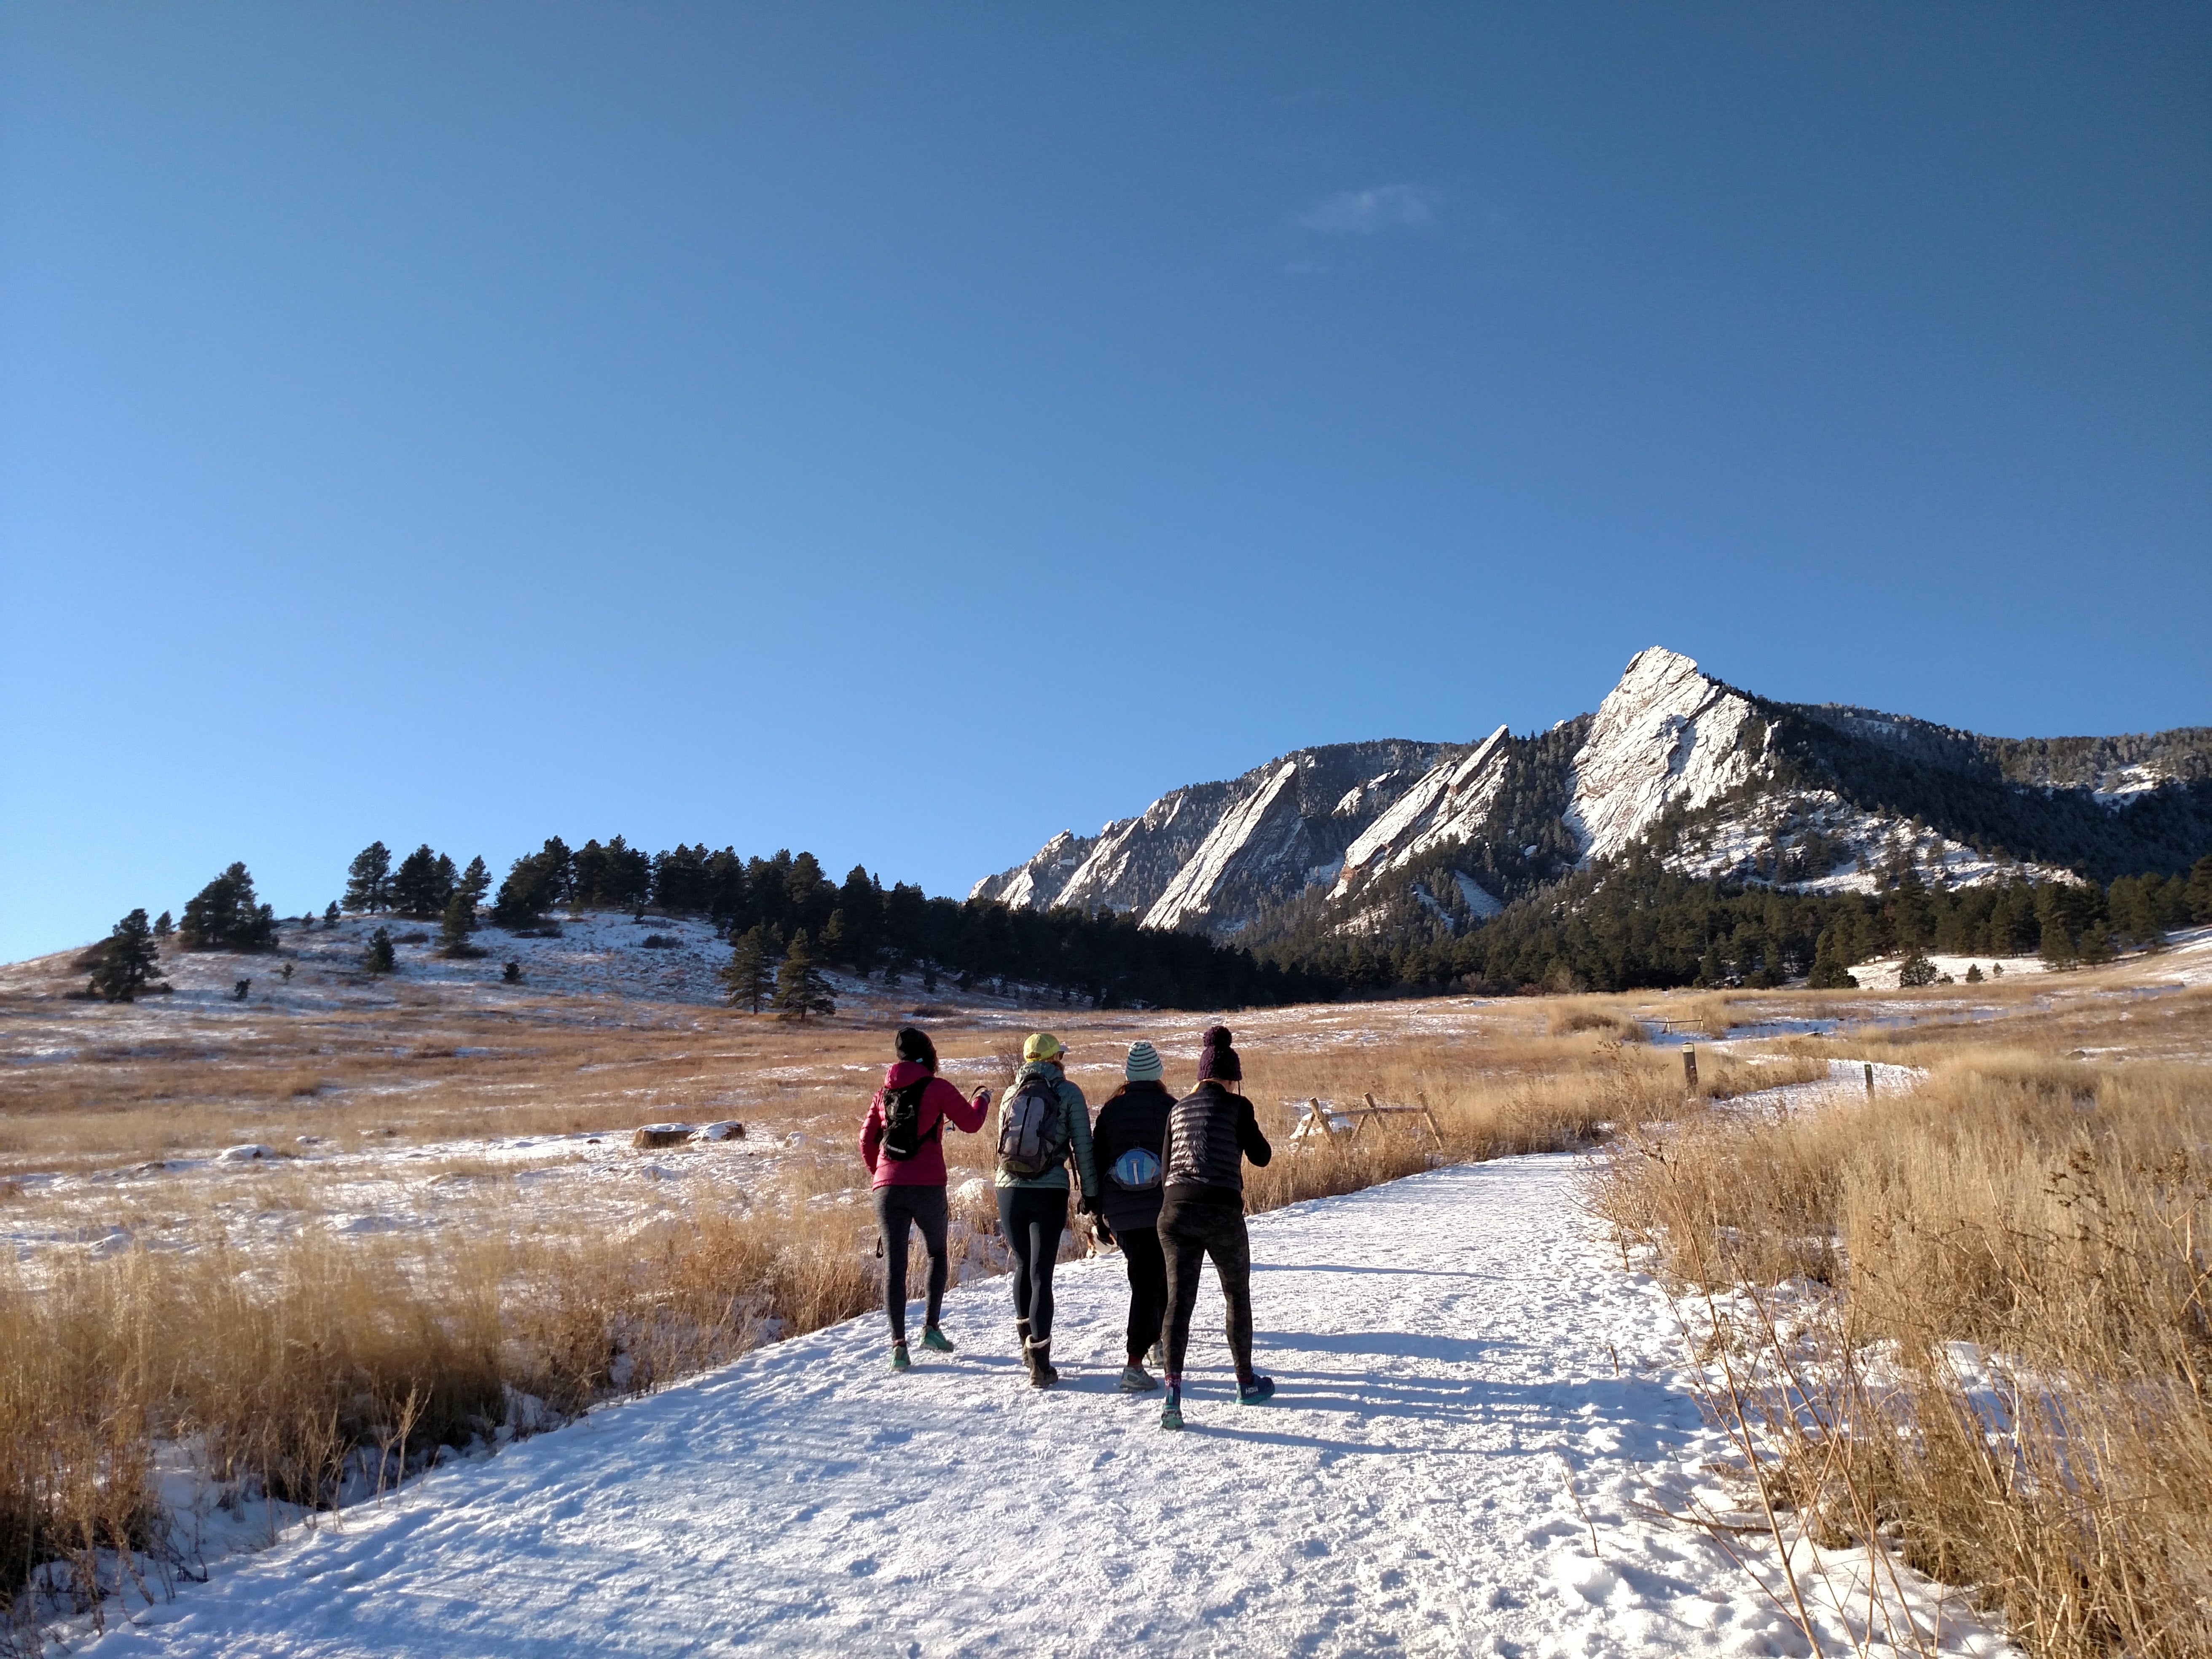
{"points": [[163, 927], [746, 976], [800, 988], [368, 878], [381, 957], [130, 962]]}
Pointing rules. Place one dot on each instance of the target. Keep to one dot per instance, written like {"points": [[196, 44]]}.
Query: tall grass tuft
{"points": [[2057, 1217]]}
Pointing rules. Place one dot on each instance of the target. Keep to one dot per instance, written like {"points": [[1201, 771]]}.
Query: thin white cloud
{"points": [[1371, 211]]}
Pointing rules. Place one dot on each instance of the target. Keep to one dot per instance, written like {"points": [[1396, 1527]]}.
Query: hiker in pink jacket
{"points": [[903, 1142]]}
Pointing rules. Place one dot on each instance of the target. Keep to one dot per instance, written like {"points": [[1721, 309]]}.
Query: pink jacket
{"points": [[940, 1101]]}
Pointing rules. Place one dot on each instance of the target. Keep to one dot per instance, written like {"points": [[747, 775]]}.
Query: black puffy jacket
{"points": [[1210, 1133]]}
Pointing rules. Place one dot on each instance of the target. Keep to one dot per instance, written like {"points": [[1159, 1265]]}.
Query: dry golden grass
{"points": [[305, 1348], [2056, 1213], [285, 1365]]}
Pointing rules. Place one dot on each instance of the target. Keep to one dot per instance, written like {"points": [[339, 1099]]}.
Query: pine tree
{"points": [[422, 884], [2197, 895], [800, 988], [163, 927], [475, 880], [460, 921], [533, 886], [1974, 973], [130, 962], [223, 915], [381, 957], [1916, 971], [747, 975], [368, 878], [330, 915], [2059, 950]]}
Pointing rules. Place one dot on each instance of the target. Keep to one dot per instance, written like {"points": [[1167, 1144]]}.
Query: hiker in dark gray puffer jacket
{"points": [[1210, 1131], [1125, 1143]]}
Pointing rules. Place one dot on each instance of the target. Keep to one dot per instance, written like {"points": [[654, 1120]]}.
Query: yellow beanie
{"points": [[1042, 1045]]}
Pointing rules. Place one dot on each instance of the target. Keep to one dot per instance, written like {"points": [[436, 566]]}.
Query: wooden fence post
{"points": [[1690, 1067], [1869, 1074]]}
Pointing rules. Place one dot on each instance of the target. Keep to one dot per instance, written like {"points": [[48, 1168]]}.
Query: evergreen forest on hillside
{"points": [[1621, 924]]}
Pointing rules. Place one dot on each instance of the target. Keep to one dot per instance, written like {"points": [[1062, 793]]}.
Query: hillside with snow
{"points": [[1718, 782]]}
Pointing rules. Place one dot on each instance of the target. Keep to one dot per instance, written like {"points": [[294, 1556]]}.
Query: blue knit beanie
{"points": [[1144, 1063]]}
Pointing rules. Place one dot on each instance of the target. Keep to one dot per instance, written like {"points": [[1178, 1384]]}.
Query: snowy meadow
{"points": [[272, 1253]]}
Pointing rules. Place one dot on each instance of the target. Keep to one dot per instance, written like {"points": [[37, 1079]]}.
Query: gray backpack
{"points": [[1032, 1129]]}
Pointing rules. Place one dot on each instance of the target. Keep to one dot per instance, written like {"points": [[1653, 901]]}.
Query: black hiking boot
{"points": [[1039, 1356]]}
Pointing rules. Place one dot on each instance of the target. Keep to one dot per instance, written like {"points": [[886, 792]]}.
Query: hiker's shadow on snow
{"points": [[1425, 1400], [1395, 1344], [1363, 1269]]}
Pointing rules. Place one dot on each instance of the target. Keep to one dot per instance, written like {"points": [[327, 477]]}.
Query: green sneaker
{"points": [[899, 1360], [1171, 1412], [935, 1339]]}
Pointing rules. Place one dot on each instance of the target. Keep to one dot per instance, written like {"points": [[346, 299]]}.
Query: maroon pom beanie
{"points": [[1216, 1059]]}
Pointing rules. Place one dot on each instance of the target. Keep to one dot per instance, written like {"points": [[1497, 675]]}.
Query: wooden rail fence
{"points": [[1322, 1119]]}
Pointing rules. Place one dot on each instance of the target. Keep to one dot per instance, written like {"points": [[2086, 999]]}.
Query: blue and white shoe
{"points": [[1258, 1390], [1172, 1410]]}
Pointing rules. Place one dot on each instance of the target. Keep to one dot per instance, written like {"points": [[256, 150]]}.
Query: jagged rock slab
{"points": [[1666, 734], [1212, 852]]}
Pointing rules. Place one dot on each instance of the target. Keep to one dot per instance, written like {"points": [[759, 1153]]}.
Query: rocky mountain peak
{"points": [[1666, 734]]}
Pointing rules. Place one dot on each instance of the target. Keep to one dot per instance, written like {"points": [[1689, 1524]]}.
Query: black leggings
{"points": [[1189, 1234], [923, 1207], [1034, 1217], [1148, 1286]]}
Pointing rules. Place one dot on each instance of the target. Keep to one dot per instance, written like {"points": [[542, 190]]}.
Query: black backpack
{"points": [[903, 1136]]}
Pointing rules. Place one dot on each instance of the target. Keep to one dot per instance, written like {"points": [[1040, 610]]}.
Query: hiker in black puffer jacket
{"points": [[1127, 1144], [1210, 1131]]}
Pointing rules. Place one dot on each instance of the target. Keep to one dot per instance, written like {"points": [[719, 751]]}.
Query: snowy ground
{"points": [[1482, 1415]]}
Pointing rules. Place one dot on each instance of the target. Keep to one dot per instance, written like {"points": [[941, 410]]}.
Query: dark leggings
{"points": [[1148, 1286], [1189, 1234], [1033, 1218], [923, 1207]]}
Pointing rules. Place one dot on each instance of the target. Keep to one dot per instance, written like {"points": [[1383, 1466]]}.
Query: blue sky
{"points": [[904, 432]]}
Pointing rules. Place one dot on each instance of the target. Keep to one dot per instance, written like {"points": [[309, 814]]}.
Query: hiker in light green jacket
{"points": [[1044, 1123]]}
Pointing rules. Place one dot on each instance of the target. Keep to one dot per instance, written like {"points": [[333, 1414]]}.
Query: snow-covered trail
{"points": [[1446, 1349]]}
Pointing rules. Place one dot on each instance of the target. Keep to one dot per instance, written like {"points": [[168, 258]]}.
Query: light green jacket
{"points": [[1077, 1120]]}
